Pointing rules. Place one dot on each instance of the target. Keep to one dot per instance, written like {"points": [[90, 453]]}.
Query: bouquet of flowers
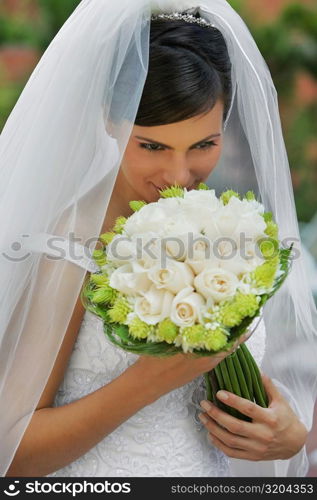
{"points": [[190, 273]]}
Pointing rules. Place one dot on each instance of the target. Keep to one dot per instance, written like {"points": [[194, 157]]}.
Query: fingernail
{"points": [[202, 418], [222, 395], [205, 405]]}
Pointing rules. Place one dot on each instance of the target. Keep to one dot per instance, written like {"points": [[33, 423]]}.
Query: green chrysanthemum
{"points": [[269, 248], [99, 257], [137, 205], [215, 339], [267, 216], [203, 186], [120, 310], [104, 295], [230, 316], [99, 279], [226, 195], [119, 224], [138, 329], [167, 331], [242, 305], [172, 192], [264, 275], [107, 238], [194, 335], [250, 196], [271, 229]]}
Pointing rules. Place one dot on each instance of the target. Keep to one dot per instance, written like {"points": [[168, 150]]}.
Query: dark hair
{"points": [[189, 70]]}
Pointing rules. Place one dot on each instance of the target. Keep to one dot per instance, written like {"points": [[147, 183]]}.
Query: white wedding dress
{"points": [[165, 438]]}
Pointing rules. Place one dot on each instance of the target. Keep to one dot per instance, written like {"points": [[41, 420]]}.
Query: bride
{"points": [[127, 99]]}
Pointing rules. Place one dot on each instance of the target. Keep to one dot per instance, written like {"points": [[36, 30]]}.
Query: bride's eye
{"points": [[151, 146], [205, 145]]}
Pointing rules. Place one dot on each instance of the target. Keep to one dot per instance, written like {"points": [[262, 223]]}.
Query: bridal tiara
{"points": [[188, 18]]}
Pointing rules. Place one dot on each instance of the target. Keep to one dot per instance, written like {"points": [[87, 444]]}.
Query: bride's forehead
{"points": [[194, 129]]}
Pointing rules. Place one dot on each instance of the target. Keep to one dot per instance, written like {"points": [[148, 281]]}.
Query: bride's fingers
{"points": [[231, 452], [244, 406], [230, 439]]}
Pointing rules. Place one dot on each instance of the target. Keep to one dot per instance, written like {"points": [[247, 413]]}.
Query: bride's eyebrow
{"points": [[152, 141]]}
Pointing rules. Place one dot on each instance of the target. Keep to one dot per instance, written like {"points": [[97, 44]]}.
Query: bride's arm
{"points": [[57, 436]]}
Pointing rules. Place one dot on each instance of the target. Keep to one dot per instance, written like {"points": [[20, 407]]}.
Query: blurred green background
{"points": [[286, 33]]}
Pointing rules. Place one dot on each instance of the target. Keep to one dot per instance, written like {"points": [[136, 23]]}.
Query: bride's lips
{"points": [[160, 189]]}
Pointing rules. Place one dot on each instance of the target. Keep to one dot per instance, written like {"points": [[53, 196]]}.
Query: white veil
{"points": [[60, 152]]}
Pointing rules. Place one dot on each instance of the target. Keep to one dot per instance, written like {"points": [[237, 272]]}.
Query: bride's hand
{"points": [[274, 433], [169, 373]]}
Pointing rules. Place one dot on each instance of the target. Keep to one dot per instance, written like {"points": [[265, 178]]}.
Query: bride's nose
{"points": [[177, 171]]}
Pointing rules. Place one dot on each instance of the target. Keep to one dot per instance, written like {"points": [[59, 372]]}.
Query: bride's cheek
{"points": [[209, 165]]}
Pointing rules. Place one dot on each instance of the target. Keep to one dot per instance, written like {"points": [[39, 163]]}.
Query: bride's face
{"points": [[184, 153]]}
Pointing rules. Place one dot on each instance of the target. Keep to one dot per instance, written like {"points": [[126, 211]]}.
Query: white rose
{"points": [[199, 207], [252, 256], [252, 226], [143, 221], [121, 250], [203, 198], [199, 247], [143, 265], [254, 205], [199, 253], [170, 205], [199, 265], [187, 307], [217, 283], [223, 224], [179, 224], [210, 227], [192, 245], [176, 247], [226, 256], [236, 265], [129, 282], [174, 277], [154, 305], [251, 223], [148, 246]]}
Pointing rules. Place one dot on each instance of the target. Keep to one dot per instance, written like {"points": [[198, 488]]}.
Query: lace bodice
{"points": [[165, 438]]}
